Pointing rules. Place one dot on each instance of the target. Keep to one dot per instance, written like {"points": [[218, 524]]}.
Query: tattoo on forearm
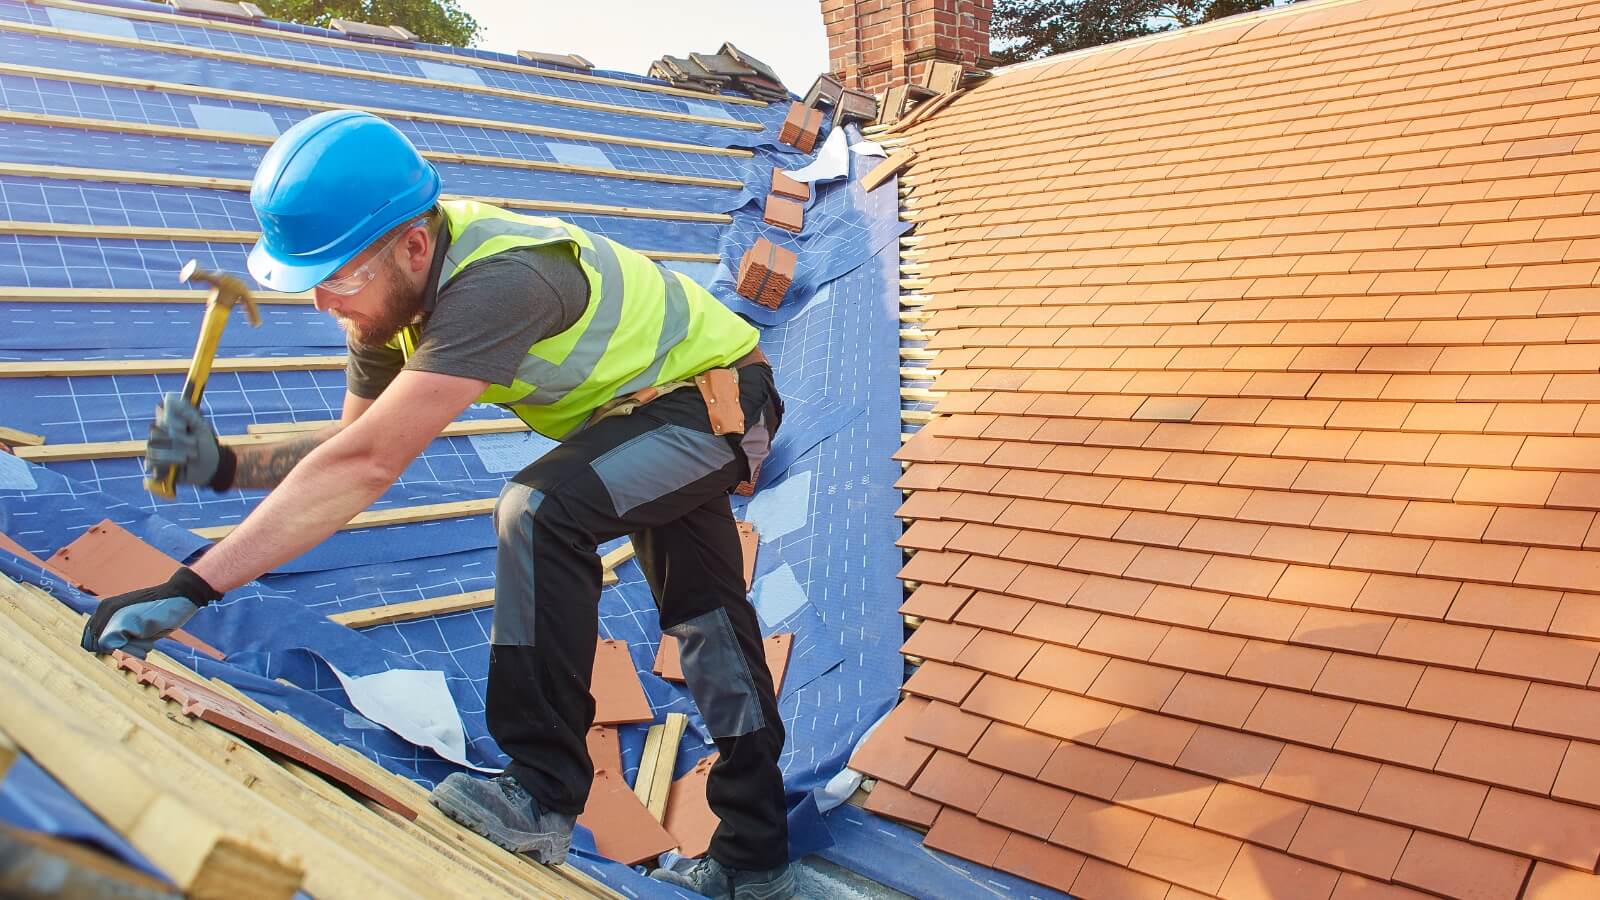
{"points": [[265, 465]]}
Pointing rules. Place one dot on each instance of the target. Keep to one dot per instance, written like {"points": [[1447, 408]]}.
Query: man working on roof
{"points": [[449, 303]]}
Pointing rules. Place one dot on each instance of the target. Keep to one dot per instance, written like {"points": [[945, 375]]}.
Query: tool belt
{"points": [[719, 387]]}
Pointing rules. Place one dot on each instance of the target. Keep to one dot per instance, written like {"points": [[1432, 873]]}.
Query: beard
{"points": [[400, 307]]}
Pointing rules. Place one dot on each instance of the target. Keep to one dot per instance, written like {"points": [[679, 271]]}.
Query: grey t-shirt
{"points": [[483, 322]]}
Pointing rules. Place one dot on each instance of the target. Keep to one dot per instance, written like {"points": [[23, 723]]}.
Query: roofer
{"points": [[449, 303]]}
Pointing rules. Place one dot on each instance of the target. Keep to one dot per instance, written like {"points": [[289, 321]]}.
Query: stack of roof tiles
{"points": [[765, 272], [728, 68], [1255, 543], [800, 127]]}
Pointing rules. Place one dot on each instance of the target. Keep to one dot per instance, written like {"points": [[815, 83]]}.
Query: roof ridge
{"points": [[1174, 33]]}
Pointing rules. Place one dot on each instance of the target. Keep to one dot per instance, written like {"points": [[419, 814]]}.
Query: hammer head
{"points": [[226, 290]]}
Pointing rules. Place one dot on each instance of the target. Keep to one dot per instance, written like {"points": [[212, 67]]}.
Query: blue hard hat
{"points": [[327, 188]]}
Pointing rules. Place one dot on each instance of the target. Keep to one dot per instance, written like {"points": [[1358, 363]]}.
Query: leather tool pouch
{"points": [[720, 389]]}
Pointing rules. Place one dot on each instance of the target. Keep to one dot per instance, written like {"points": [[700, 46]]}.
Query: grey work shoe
{"points": [[709, 878], [500, 810]]}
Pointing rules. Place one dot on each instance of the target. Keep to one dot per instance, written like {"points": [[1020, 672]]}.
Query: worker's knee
{"points": [[514, 514], [718, 675]]}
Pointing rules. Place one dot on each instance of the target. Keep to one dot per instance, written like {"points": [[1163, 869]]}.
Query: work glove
{"points": [[134, 621], [180, 436]]}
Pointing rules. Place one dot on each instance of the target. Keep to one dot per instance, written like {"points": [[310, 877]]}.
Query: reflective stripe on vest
{"points": [[643, 325]]}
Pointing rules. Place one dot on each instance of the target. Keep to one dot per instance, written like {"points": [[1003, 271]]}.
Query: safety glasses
{"points": [[355, 282]]}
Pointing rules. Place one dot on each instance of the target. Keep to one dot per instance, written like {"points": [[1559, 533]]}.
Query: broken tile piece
{"points": [[605, 748], [108, 560], [749, 546], [690, 820], [618, 696], [623, 829]]}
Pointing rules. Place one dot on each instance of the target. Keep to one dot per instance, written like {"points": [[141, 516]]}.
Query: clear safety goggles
{"points": [[355, 282]]}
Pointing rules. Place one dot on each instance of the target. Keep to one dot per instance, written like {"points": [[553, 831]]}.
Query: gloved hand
{"points": [[134, 621], [181, 436]]}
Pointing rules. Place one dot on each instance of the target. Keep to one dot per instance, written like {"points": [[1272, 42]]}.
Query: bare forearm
{"points": [[312, 503], [266, 465]]}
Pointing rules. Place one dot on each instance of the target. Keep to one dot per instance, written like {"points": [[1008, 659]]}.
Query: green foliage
{"points": [[435, 21], [1028, 29]]}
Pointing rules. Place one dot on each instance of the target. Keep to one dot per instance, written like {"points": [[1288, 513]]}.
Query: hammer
{"points": [[226, 290]]}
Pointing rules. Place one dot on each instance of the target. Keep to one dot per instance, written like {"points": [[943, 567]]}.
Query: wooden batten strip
{"points": [[145, 84], [454, 429], [654, 781], [74, 173], [204, 134], [95, 367], [413, 52], [125, 232], [400, 515], [454, 603], [14, 438], [8, 753], [416, 609], [266, 434], [367, 75], [9, 294], [886, 169]]}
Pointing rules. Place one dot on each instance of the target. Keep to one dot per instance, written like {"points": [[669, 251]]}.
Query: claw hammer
{"points": [[226, 291]]}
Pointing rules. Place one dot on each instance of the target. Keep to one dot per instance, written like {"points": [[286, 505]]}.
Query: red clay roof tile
{"points": [[953, 780], [1025, 806], [1318, 776], [1108, 831], [963, 835], [1102, 881], [1260, 874], [1541, 828], [1186, 856], [1350, 842], [1394, 735], [1429, 801], [1165, 792], [893, 802], [1501, 756], [1455, 869], [1147, 736]]}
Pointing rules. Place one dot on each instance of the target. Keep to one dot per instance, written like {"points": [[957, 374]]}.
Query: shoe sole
{"points": [[546, 848], [782, 889], [687, 887]]}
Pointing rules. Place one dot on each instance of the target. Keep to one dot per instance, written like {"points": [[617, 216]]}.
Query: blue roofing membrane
{"points": [[826, 569]]}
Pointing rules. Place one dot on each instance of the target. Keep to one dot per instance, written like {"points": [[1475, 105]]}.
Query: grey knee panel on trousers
{"points": [[659, 462], [513, 582], [717, 674]]}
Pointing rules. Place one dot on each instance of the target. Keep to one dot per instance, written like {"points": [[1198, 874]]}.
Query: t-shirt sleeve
{"points": [[368, 370], [488, 316]]}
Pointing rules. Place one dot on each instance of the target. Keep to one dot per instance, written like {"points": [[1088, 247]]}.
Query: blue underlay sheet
{"points": [[827, 561]]}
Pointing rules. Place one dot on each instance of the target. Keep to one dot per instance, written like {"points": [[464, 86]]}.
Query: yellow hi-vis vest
{"points": [[644, 325]]}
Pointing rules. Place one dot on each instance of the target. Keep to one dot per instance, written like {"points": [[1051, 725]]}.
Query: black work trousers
{"points": [[660, 476]]}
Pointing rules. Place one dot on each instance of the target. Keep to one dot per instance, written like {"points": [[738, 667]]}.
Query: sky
{"points": [[628, 35]]}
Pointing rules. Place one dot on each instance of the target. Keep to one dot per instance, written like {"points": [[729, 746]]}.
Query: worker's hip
{"points": [[739, 403]]}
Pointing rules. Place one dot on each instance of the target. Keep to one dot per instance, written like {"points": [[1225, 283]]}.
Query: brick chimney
{"points": [[876, 44]]}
